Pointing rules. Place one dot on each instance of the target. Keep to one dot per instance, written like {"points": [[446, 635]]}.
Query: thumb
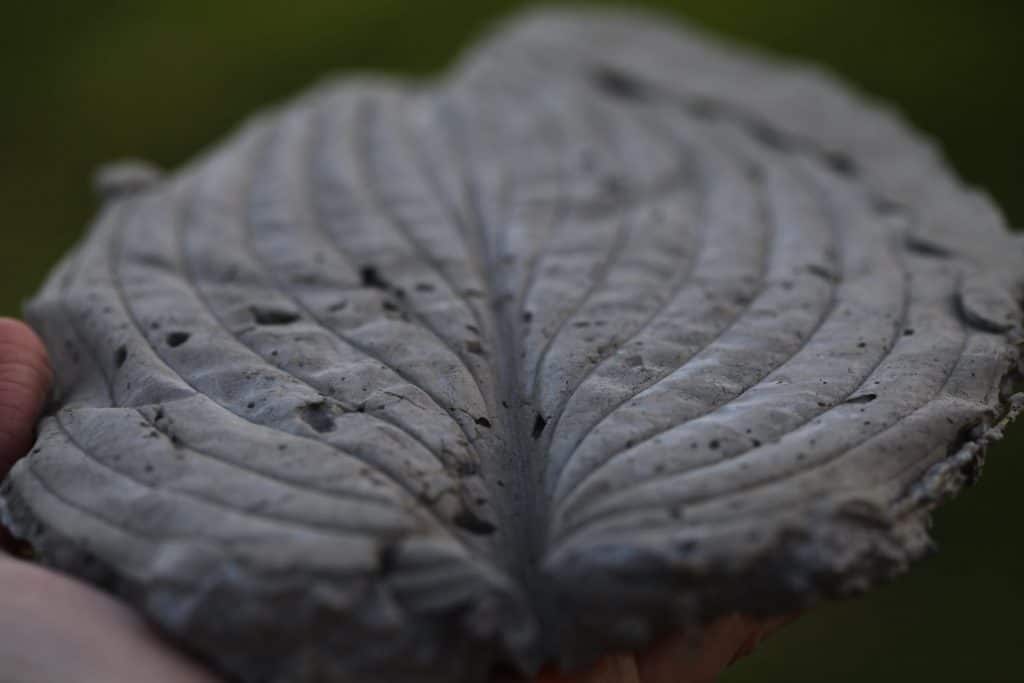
{"points": [[25, 379]]}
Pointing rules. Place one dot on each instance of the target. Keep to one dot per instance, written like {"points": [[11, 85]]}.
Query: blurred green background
{"points": [[87, 82]]}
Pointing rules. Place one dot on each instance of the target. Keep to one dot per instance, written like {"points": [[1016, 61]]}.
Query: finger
{"points": [[768, 628], [611, 669], [54, 630], [684, 658], [703, 659], [25, 379]]}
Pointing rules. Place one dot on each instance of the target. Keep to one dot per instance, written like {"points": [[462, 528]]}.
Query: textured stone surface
{"points": [[613, 330]]}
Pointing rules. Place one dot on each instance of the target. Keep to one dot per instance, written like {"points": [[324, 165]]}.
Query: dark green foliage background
{"points": [[86, 82]]}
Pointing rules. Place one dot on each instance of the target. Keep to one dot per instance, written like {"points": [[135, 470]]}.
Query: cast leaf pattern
{"points": [[613, 330]]}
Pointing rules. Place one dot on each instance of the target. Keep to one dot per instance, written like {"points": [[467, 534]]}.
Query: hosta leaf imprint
{"points": [[610, 332]]}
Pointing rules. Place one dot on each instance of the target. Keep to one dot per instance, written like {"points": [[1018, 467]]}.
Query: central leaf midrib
{"points": [[519, 506]]}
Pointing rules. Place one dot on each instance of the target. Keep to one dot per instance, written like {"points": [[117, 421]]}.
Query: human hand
{"points": [[54, 629], [682, 658]]}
